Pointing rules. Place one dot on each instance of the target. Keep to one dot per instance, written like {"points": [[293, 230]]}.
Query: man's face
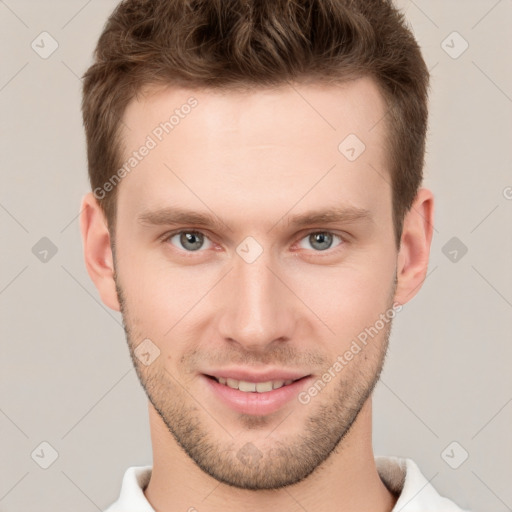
{"points": [[257, 292]]}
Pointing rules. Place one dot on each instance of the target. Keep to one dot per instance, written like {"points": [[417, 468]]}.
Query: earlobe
{"points": [[97, 251], [413, 256]]}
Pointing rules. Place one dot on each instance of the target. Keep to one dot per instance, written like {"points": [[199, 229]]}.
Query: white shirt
{"points": [[401, 476]]}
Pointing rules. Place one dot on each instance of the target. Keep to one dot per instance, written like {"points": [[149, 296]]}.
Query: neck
{"points": [[348, 480]]}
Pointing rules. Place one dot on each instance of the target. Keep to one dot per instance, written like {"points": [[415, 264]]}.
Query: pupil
{"points": [[187, 240], [321, 238]]}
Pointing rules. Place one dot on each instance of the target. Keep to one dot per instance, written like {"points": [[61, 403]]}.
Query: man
{"points": [[257, 218]]}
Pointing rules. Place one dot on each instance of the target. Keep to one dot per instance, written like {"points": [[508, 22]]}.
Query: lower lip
{"points": [[255, 403]]}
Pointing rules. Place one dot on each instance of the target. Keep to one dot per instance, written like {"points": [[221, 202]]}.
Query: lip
{"points": [[257, 404]]}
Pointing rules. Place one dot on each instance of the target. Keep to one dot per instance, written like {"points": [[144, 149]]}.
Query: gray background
{"points": [[67, 379]]}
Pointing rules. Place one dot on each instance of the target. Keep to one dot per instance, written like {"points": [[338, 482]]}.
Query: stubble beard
{"points": [[261, 464]]}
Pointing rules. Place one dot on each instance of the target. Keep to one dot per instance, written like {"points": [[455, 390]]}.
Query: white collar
{"points": [[400, 475]]}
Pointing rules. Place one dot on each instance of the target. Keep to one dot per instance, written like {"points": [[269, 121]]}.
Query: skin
{"points": [[256, 159]]}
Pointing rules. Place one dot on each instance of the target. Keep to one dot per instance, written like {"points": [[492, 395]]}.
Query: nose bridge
{"points": [[258, 309]]}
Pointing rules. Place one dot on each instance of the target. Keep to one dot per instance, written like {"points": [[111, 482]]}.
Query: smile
{"points": [[253, 387]]}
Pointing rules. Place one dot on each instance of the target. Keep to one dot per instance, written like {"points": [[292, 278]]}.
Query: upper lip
{"points": [[251, 376]]}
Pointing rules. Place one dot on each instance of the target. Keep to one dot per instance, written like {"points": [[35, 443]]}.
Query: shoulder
{"points": [[131, 497], [416, 494]]}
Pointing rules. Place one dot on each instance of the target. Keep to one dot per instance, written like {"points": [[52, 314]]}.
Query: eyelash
{"points": [[166, 239]]}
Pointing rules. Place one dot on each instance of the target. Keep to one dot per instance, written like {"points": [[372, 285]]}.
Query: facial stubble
{"points": [[265, 462]]}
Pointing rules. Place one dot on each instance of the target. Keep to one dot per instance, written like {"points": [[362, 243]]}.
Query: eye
{"points": [[194, 241], [319, 240], [190, 241]]}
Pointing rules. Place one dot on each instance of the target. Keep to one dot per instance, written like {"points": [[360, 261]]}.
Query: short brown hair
{"points": [[257, 43]]}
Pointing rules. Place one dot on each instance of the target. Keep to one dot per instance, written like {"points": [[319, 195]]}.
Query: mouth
{"points": [[259, 396], [254, 387]]}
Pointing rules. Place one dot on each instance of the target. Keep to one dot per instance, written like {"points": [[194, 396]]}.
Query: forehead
{"points": [[259, 112], [326, 142]]}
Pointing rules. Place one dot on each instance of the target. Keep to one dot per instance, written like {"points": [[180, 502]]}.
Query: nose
{"points": [[257, 308]]}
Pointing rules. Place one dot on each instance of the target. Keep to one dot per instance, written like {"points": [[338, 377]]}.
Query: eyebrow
{"points": [[174, 215], [330, 216]]}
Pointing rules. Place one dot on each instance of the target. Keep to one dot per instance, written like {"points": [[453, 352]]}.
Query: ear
{"points": [[414, 250], [97, 252]]}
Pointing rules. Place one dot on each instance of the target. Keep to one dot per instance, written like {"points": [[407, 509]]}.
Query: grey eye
{"points": [[320, 241], [189, 240]]}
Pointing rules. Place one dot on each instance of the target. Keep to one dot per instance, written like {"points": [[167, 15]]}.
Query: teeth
{"points": [[254, 387], [248, 387], [232, 383], [277, 384], [262, 387]]}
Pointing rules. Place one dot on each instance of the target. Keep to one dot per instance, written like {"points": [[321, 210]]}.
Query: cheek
{"points": [[347, 299], [163, 298]]}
